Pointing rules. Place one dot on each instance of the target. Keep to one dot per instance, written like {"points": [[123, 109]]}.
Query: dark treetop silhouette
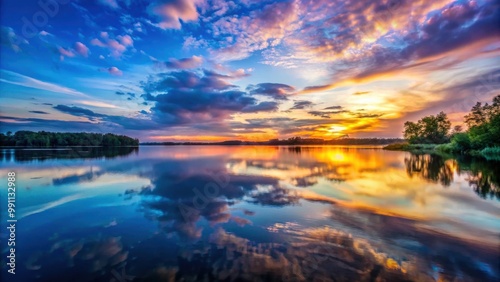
{"points": [[58, 139]]}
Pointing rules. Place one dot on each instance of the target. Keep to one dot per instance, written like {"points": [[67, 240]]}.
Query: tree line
{"points": [[483, 130], [58, 139], [292, 141]]}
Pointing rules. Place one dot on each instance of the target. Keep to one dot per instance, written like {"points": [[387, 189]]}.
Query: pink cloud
{"points": [[115, 71], [257, 31], [65, 53], [184, 63], [126, 40], [97, 42], [172, 11], [116, 46], [81, 49]]}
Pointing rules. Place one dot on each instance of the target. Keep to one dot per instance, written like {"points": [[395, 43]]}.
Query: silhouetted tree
{"points": [[484, 124], [428, 130], [57, 139]]}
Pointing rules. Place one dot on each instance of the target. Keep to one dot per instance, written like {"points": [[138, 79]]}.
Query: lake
{"points": [[204, 213]]}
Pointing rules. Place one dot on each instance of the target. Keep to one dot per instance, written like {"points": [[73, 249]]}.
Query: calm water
{"points": [[251, 214]]}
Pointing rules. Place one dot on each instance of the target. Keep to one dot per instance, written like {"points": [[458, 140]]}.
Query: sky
{"points": [[213, 70]]}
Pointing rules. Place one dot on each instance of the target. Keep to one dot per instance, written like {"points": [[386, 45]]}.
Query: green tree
{"points": [[476, 116], [484, 124], [429, 129]]}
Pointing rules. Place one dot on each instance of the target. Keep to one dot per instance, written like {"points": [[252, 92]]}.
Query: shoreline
{"points": [[488, 153]]}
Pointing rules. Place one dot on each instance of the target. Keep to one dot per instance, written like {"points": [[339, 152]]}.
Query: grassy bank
{"points": [[492, 153], [414, 148]]}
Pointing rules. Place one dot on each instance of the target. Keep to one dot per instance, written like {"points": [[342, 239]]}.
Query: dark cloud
{"points": [[183, 81], [302, 104], [363, 115], [276, 91], [266, 106], [190, 98], [77, 111], [38, 124], [125, 122], [333, 108], [181, 64], [326, 114], [457, 25], [39, 112]]}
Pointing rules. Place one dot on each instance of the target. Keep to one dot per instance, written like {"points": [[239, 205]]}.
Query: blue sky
{"points": [[251, 70]]}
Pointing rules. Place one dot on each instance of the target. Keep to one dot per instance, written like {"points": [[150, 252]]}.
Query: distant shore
{"points": [[294, 141]]}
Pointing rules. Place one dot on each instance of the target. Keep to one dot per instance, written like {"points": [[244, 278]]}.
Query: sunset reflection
{"points": [[292, 213]]}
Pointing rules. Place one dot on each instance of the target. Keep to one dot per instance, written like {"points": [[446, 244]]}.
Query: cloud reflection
{"points": [[275, 213]]}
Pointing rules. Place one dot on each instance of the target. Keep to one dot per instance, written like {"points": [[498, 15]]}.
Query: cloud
{"points": [[77, 111], [302, 104], [186, 80], [110, 3], [171, 12], [125, 40], [239, 73], [184, 63], [45, 33], [65, 52], [10, 39], [361, 92], [78, 48], [121, 93], [254, 31], [114, 71], [117, 46], [81, 49], [191, 42], [131, 123], [449, 35], [274, 90], [36, 124], [26, 81], [39, 112], [97, 42], [326, 114], [184, 97], [333, 108], [267, 106]]}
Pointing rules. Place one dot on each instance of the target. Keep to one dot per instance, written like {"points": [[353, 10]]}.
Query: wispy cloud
{"points": [[26, 81]]}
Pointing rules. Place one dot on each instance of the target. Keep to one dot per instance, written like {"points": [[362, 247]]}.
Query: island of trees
{"points": [[62, 139], [434, 133]]}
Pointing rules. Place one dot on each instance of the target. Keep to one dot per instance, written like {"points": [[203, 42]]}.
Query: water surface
{"points": [[229, 213]]}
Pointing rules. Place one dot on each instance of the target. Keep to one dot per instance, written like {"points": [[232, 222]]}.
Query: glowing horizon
{"points": [[213, 70]]}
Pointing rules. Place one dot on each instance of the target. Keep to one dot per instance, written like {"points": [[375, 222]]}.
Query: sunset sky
{"points": [[211, 70]]}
